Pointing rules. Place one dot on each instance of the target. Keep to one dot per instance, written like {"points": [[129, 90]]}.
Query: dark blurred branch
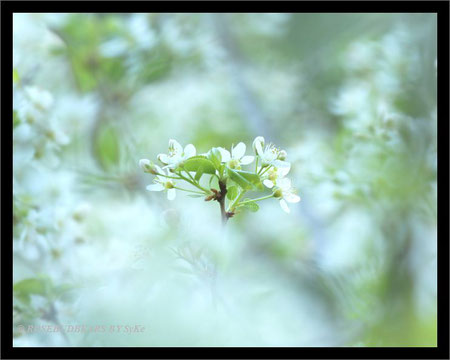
{"points": [[257, 122]]}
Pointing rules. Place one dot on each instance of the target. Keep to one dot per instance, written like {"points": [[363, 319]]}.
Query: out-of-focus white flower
{"points": [[352, 99], [268, 24], [361, 55], [274, 174], [114, 48], [42, 99], [81, 211], [285, 193], [237, 156], [163, 184], [176, 154], [143, 34], [270, 155], [174, 35], [57, 135]]}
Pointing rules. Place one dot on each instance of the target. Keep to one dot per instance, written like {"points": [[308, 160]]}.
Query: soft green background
{"points": [[352, 99]]}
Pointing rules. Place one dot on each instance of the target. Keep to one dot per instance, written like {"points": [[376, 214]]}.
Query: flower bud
{"points": [[258, 143], [282, 155], [148, 166]]}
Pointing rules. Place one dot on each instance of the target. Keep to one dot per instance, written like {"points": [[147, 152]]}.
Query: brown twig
{"points": [[221, 199]]}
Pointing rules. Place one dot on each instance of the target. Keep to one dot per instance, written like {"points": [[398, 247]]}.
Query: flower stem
{"points": [[192, 191], [253, 200], [256, 164], [267, 169], [190, 176], [193, 182], [170, 177], [239, 197], [261, 169], [221, 200]]}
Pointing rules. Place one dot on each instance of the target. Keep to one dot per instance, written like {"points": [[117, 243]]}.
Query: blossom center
{"points": [[169, 185], [278, 193]]}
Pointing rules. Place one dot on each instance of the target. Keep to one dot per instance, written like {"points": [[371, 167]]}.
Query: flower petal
{"points": [[268, 183], [171, 194], [284, 206], [281, 164], [158, 169], [283, 171], [247, 160], [155, 187], [189, 151], [284, 184], [258, 144], [163, 158], [176, 146], [238, 151], [292, 198], [144, 162], [225, 154]]}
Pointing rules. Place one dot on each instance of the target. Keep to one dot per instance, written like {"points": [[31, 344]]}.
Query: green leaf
{"points": [[199, 163], [199, 173], [216, 157], [251, 206], [30, 286], [232, 192], [195, 196], [33, 286], [245, 179]]}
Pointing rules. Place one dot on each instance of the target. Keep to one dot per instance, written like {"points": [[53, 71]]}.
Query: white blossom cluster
{"points": [[226, 167]]}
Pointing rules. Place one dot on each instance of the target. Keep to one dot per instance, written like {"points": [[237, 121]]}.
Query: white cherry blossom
{"points": [[163, 184], [176, 154], [275, 174], [285, 193], [269, 155], [237, 156]]}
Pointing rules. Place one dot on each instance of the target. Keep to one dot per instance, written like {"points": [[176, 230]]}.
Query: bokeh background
{"points": [[351, 97]]}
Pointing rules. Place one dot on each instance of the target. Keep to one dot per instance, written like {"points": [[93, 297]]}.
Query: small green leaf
{"points": [[216, 157], [196, 163], [30, 286], [232, 192], [27, 287], [251, 206], [199, 173], [245, 179]]}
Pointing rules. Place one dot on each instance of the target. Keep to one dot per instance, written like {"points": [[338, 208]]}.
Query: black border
{"points": [[439, 7]]}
